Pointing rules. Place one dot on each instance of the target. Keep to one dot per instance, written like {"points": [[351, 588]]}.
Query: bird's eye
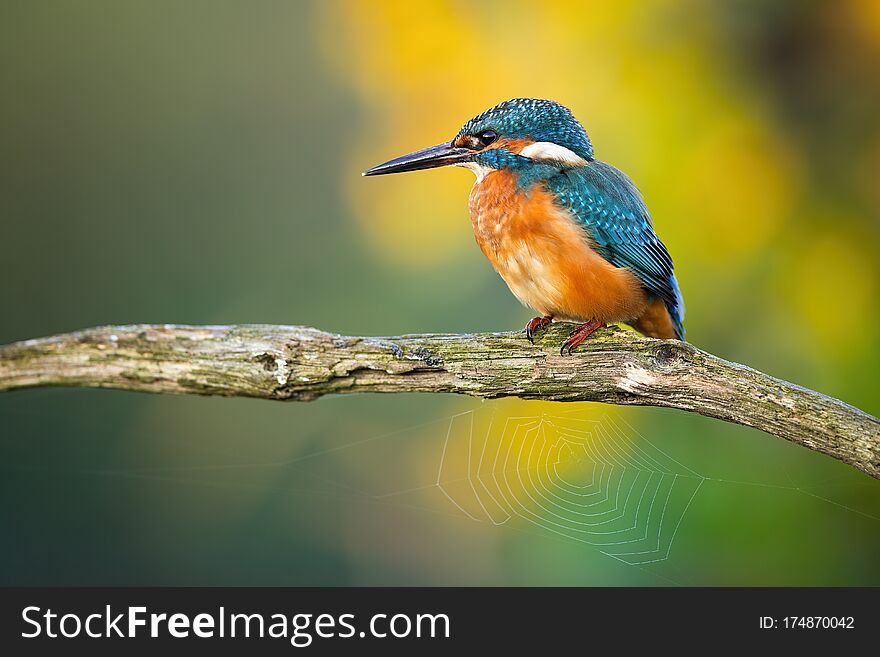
{"points": [[487, 137]]}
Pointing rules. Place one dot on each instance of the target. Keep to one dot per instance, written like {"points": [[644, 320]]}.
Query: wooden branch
{"points": [[299, 363]]}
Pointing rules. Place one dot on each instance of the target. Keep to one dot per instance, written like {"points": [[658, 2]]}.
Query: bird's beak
{"points": [[428, 158]]}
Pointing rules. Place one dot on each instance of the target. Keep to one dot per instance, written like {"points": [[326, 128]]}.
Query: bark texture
{"points": [[301, 363]]}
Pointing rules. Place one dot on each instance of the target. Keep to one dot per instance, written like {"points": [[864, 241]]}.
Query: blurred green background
{"points": [[199, 162]]}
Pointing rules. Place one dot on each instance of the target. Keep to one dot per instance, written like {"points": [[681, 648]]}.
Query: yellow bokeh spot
{"points": [[737, 189], [831, 288], [865, 17]]}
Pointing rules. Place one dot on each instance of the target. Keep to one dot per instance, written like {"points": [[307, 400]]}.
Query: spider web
{"points": [[598, 482], [575, 473]]}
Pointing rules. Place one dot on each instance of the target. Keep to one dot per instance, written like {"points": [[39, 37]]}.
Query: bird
{"points": [[569, 234]]}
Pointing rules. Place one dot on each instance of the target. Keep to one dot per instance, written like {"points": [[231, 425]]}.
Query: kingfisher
{"points": [[569, 234]]}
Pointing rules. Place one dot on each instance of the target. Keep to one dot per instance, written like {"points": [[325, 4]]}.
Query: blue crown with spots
{"points": [[541, 120]]}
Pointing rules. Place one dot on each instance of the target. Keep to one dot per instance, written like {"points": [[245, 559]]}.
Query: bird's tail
{"points": [[676, 310], [663, 318]]}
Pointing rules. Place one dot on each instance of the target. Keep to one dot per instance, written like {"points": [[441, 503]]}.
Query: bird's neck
{"points": [[530, 173], [522, 170]]}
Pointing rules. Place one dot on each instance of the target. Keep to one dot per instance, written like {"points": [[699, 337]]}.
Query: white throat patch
{"points": [[479, 170], [547, 151]]}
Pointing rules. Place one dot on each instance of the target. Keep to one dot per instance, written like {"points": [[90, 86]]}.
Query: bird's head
{"points": [[514, 133]]}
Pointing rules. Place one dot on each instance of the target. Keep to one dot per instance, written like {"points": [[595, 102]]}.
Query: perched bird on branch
{"points": [[570, 235]]}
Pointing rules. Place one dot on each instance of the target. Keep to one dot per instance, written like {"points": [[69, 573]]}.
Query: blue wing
{"points": [[608, 204]]}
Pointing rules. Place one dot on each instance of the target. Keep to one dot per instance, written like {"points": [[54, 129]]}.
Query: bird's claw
{"points": [[580, 334], [536, 324]]}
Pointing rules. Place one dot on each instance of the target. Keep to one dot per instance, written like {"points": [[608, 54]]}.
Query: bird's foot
{"points": [[535, 325], [580, 334]]}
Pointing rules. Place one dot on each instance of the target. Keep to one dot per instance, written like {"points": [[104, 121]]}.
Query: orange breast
{"points": [[546, 258]]}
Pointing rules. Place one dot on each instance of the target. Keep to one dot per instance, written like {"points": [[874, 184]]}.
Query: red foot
{"points": [[580, 334], [536, 325]]}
